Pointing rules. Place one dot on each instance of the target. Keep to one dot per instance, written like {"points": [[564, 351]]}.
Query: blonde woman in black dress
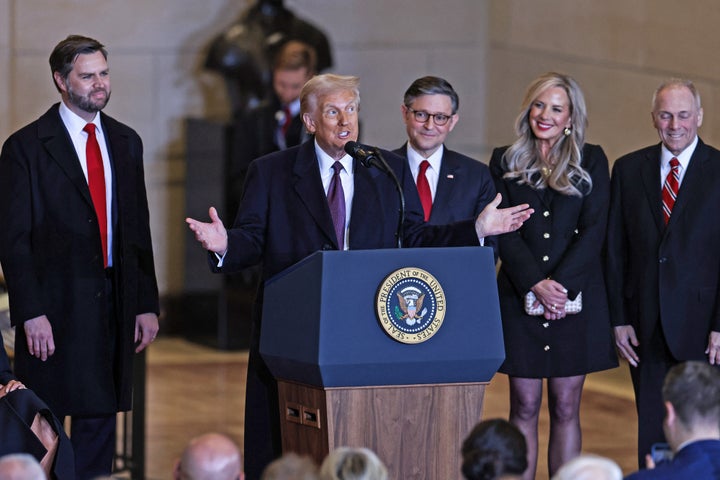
{"points": [[556, 255]]}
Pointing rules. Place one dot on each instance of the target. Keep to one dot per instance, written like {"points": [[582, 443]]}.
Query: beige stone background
{"points": [[619, 50]]}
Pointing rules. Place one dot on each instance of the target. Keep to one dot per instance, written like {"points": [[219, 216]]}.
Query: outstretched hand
{"points": [[496, 221], [212, 236]]}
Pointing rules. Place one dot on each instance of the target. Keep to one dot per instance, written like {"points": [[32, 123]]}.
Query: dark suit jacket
{"points": [[671, 273], [697, 461], [284, 215], [5, 371], [464, 187], [51, 254]]}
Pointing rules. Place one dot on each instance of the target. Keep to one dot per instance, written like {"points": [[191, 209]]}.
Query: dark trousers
{"points": [[648, 377], [262, 418], [93, 440]]}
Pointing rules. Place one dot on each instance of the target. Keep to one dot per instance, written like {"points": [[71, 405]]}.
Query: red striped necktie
{"points": [[670, 189]]}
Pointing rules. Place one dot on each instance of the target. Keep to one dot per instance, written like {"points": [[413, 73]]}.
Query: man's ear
{"points": [[309, 122], [670, 415], [59, 81]]}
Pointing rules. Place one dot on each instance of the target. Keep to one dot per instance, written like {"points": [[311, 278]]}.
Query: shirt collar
{"points": [[294, 107], [326, 161], [74, 123], [414, 158], [684, 157]]}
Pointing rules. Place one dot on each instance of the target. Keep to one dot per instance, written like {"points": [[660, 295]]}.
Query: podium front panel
{"points": [[320, 325]]}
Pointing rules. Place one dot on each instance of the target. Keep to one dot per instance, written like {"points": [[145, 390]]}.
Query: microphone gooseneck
{"points": [[372, 157]]}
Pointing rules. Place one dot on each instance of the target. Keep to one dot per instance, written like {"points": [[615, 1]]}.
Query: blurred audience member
{"points": [[691, 396], [20, 466], [589, 467], [291, 466], [211, 456], [275, 124], [28, 426], [494, 450], [353, 463]]}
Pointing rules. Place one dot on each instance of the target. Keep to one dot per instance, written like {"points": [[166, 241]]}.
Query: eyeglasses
{"points": [[422, 116]]}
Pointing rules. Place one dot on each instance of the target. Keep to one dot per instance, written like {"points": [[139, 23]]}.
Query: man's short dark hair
{"points": [[65, 53], [431, 86], [295, 55], [693, 389]]}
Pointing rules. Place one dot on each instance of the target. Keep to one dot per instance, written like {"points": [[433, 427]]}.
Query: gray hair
{"points": [[589, 467], [20, 466], [325, 84], [675, 83]]}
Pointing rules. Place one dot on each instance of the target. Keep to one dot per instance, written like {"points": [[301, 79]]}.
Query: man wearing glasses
{"points": [[451, 186]]}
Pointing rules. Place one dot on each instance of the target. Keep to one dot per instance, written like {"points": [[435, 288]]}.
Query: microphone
{"points": [[368, 156], [371, 157]]}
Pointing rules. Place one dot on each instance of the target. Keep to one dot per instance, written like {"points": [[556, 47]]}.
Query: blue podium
{"points": [[388, 349]]}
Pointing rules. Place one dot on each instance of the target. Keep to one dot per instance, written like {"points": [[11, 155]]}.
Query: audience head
{"points": [[691, 393], [211, 456], [430, 113], [677, 113], [329, 105], [293, 66], [347, 463], [291, 466], [589, 467], [494, 449], [20, 466]]}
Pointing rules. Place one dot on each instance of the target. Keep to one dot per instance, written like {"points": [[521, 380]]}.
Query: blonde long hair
{"points": [[522, 159]]}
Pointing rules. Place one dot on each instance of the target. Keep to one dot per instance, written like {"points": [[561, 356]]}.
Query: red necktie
{"points": [[336, 201], [424, 189], [96, 183], [288, 119], [670, 188]]}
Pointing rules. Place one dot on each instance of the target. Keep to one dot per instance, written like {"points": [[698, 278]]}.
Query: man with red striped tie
{"points": [[663, 260]]}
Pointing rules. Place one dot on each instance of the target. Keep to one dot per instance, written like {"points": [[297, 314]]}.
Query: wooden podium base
{"points": [[417, 430]]}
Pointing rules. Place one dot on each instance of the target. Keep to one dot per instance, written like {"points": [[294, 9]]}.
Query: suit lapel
{"points": [[650, 179], [693, 184], [308, 186], [366, 207], [450, 172], [119, 150], [59, 146]]}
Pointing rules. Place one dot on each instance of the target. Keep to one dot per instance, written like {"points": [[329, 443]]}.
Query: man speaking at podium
{"points": [[317, 197]]}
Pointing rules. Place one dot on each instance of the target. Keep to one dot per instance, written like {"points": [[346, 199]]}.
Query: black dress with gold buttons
{"points": [[562, 240]]}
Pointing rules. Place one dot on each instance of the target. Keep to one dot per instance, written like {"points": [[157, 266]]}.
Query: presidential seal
{"points": [[410, 305]]}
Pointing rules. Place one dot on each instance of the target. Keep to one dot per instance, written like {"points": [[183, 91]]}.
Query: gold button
{"points": [[545, 258], [546, 213], [546, 235], [546, 324], [547, 348]]}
